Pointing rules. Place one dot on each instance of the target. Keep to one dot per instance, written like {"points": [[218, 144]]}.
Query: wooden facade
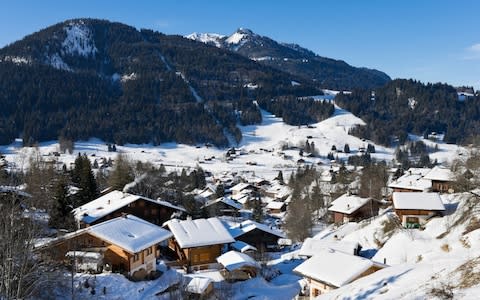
{"points": [[368, 210], [138, 265], [414, 218], [441, 186], [196, 255], [155, 213], [260, 239]]}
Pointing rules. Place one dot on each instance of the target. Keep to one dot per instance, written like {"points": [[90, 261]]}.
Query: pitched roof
{"points": [[249, 225], [233, 260], [108, 203], [312, 246], [242, 246], [275, 205], [227, 200], [128, 232], [440, 174], [412, 182], [240, 186], [420, 201], [334, 267], [199, 232], [198, 285], [347, 204]]}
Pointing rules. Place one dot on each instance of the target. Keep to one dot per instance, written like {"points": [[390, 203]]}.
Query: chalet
{"points": [[312, 246], [415, 209], [238, 266], [238, 188], [330, 269], [349, 208], [412, 181], [116, 203], [276, 207], [198, 242], [441, 178], [208, 193], [244, 198], [276, 191], [223, 206], [256, 234], [124, 244]]}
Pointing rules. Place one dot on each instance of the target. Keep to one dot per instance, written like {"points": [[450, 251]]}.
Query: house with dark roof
{"points": [[117, 203], [255, 234]]}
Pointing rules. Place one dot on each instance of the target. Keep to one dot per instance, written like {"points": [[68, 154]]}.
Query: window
{"points": [[136, 257]]}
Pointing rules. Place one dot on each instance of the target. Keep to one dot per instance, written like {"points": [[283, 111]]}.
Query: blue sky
{"points": [[423, 39]]}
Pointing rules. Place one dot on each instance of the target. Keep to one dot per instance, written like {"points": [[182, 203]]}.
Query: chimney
{"points": [[108, 202], [384, 260]]}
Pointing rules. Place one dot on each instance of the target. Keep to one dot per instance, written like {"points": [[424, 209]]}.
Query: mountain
{"points": [[87, 78], [291, 58]]}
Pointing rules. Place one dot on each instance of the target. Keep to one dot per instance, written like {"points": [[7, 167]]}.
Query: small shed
{"points": [[238, 266], [200, 287]]}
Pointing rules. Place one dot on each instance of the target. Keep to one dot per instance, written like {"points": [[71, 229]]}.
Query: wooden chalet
{"points": [[352, 208], [330, 269], [442, 179], [117, 203], [276, 207], [412, 181], [415, 209], [124, 244], [238, 266], [199, 288], [258, 235], [223, 206], [197, 242]]}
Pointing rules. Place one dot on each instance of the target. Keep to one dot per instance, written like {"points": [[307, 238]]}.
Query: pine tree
{"points": [[257, 213], [84, 179], [280, 177], [60, 214], [121, 174], [346, 148]]}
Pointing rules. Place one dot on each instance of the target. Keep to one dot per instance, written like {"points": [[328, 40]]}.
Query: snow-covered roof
{"points": [[242, 246], [249, 225], [347, 204], [108, 203], [312, 246], [227, 200], [198, 285], [240, 186], [440, 174], [275, 205], [412, 182], [233, 260], [199, 232], [19, 190], [130, 233], [84, 254], [334, 267], [241, 197], [418, 201]]}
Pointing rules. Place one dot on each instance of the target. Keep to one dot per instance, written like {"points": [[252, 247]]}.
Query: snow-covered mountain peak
{"points": [[239, 36], [207, 38]]}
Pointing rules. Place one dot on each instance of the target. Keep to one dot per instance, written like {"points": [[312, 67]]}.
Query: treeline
{"points": [[136, 88], [298, 111], [408, 106]]}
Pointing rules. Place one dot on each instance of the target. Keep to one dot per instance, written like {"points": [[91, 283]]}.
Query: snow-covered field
{"points": [[261, 148]]}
